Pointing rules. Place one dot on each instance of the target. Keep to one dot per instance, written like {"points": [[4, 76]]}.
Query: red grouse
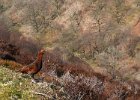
{"points": [[33, 68]]}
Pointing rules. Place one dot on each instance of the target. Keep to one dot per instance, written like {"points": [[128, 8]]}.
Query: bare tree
{"points": [[110, 60], [119, 11]]}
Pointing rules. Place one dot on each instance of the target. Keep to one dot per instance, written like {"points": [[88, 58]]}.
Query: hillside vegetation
{"points": [[105, 34], [92, 46], [68, 81], [14, 87]]}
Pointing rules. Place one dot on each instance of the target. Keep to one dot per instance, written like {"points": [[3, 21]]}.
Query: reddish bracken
{"points": [[33, 68]]}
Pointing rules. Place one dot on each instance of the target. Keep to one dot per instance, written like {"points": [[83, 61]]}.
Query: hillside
{"points": [[63, 79], [92, 48], [14, 85], [90, 29], [77, 79]]}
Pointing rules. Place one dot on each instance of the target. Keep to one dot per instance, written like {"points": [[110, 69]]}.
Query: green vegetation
{"points": [[14, 87]]}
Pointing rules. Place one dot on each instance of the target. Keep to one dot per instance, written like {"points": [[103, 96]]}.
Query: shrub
{"points": [[110, 60]]}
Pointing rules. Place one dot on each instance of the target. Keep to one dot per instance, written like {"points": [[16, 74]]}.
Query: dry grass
{"points": [[10, 64]]}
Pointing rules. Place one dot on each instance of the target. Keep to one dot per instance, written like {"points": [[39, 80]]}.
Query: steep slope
{"points": [[77, 78]]}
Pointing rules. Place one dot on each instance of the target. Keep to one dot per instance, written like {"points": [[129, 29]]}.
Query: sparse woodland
{"points": [[93, 48]]}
